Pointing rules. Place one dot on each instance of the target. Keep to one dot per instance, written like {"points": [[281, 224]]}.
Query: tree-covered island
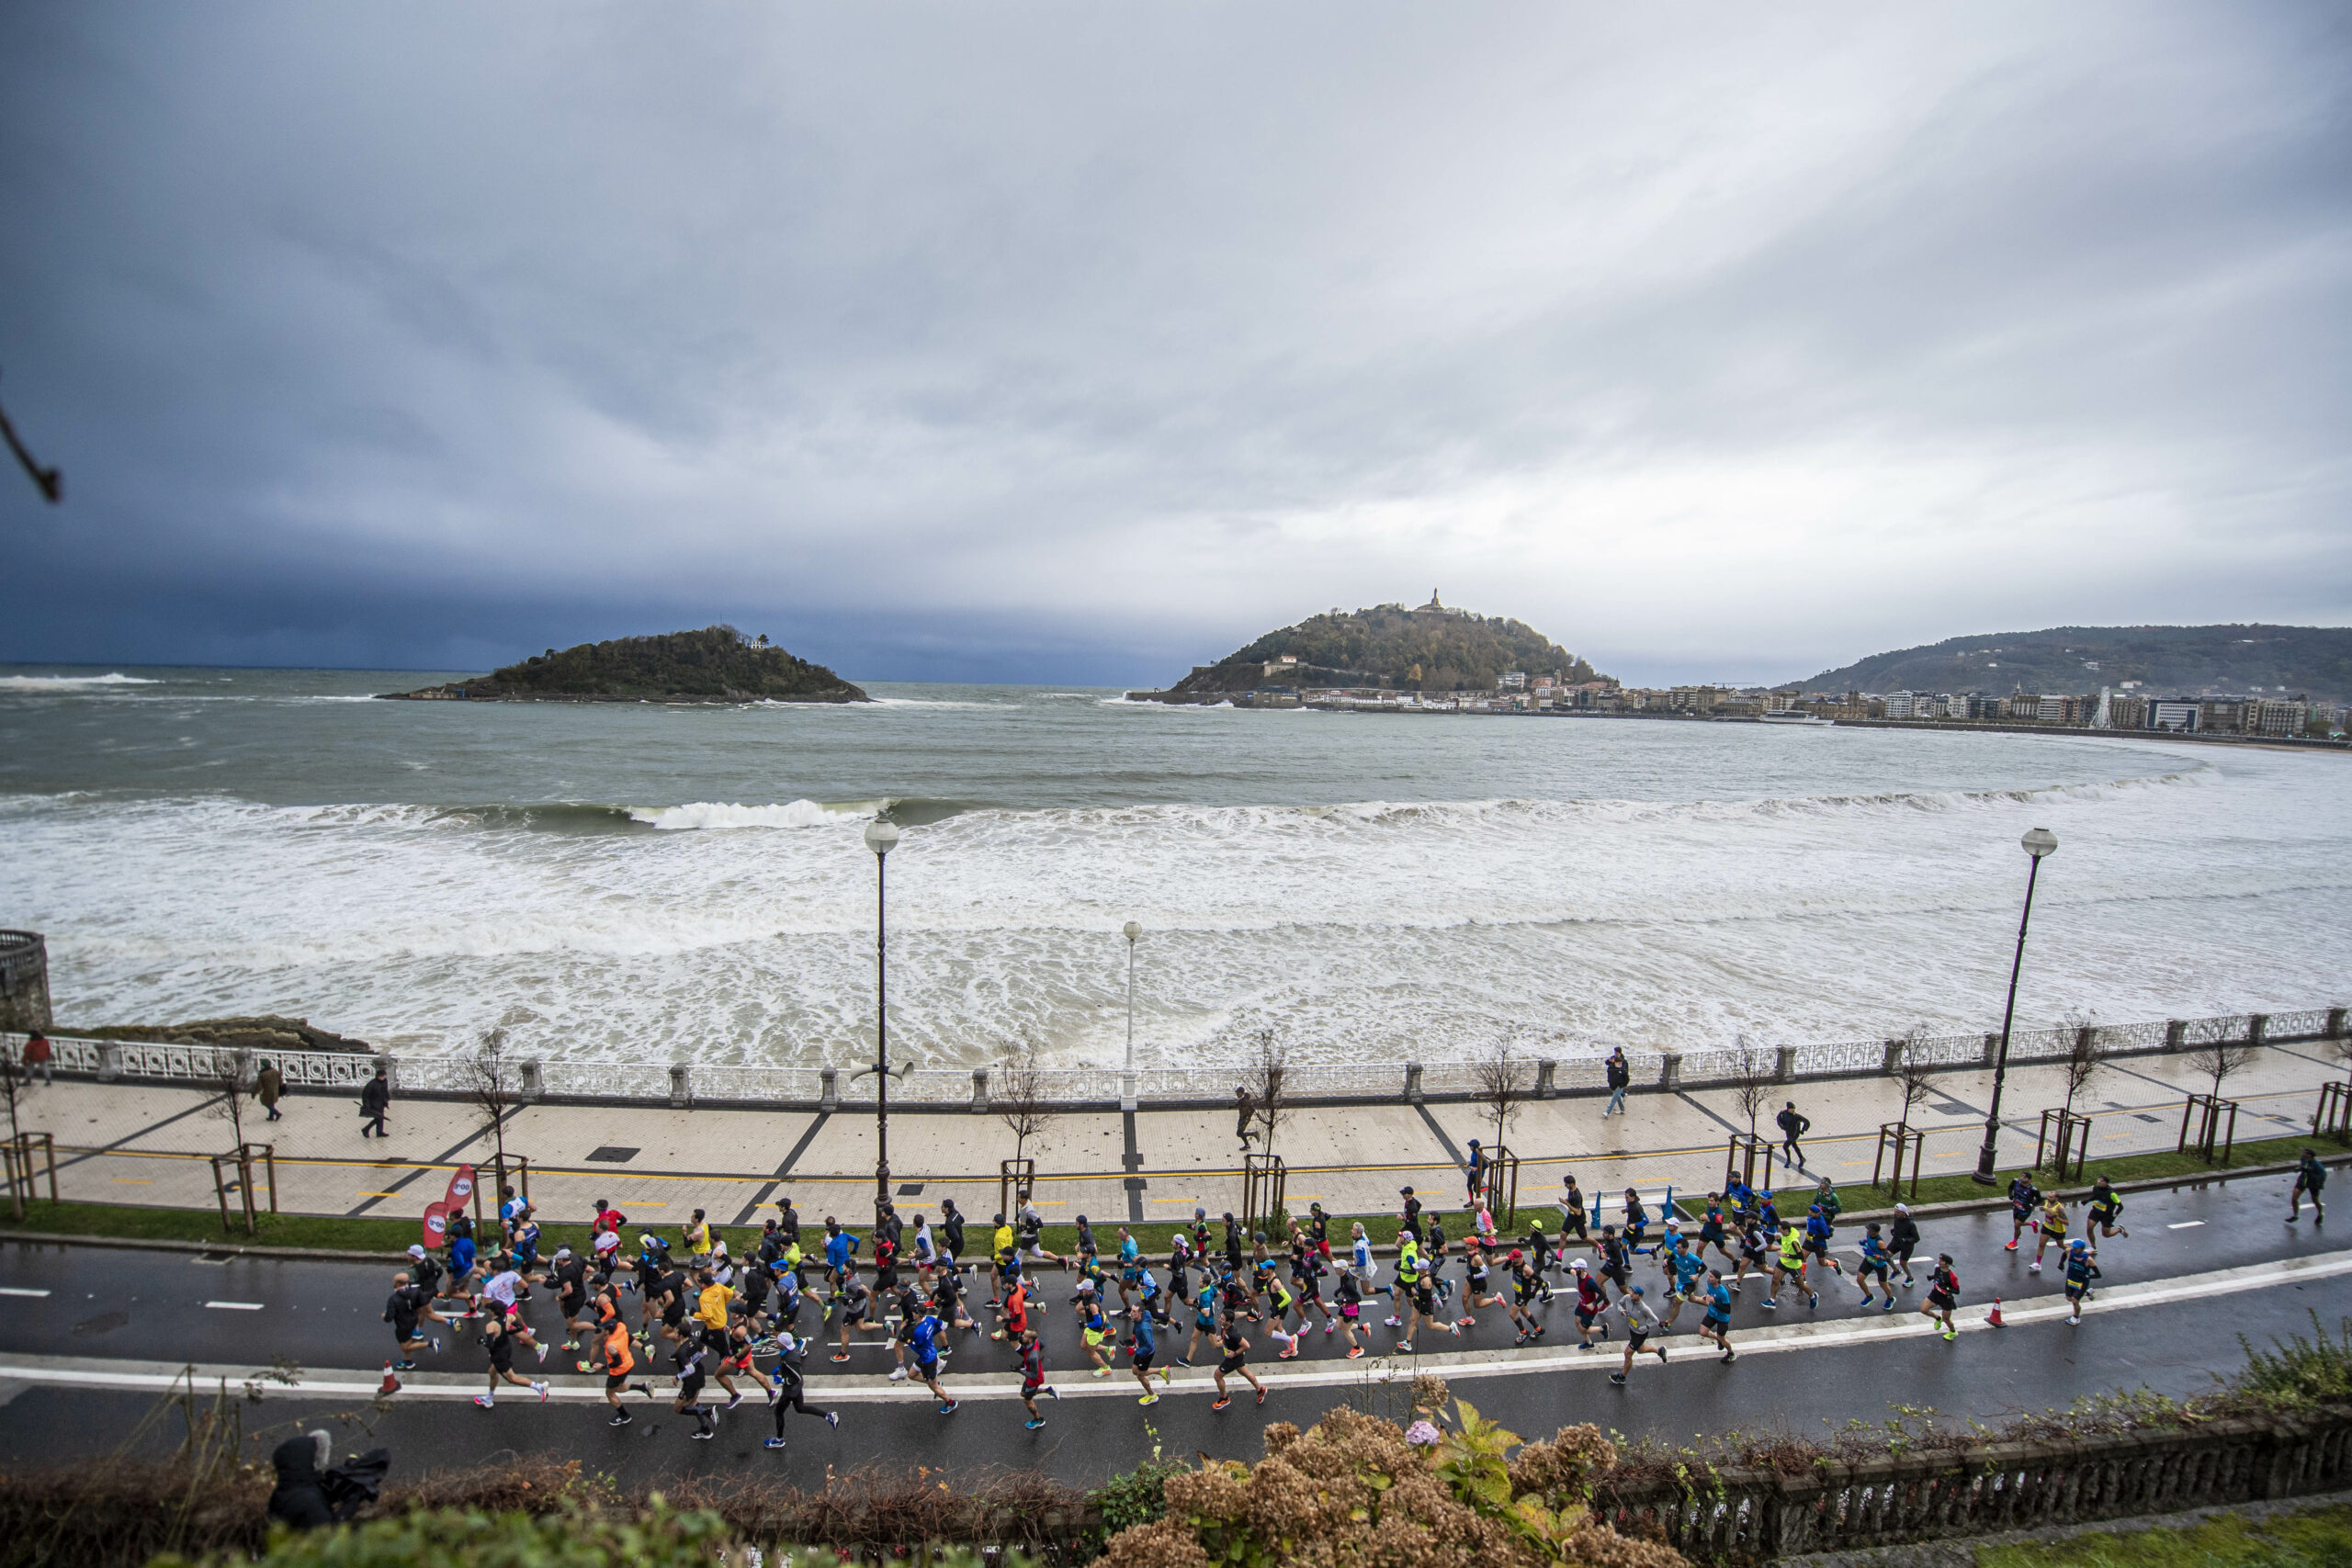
{"points": [[716, 664], [1431, 649]]}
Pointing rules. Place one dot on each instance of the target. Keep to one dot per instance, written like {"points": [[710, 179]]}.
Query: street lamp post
{"points": [[1132, 931], [2038, 842], [881, 837]]}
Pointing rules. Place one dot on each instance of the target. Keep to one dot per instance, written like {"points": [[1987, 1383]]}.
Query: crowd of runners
{"points": [[640, 1311]]}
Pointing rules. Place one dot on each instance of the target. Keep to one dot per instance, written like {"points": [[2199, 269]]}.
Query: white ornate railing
{"points": [[682, 1083]]}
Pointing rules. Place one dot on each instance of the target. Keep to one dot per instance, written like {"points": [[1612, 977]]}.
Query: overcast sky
{"points": [[1084, 343]]}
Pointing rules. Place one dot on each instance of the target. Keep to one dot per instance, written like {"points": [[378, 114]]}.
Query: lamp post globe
{"points": [[881, 837], [2040, 843]]}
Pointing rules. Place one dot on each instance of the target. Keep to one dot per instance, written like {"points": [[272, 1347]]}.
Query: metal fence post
{"points": [[1413, 1082], [979, 1088], [829, 1097]]}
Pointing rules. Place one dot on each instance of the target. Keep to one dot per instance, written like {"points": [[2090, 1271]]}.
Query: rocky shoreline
{"points": [[265, 1031]]}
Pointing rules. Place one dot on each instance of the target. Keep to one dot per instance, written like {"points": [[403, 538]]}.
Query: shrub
{"points": [[1356, 1489]]}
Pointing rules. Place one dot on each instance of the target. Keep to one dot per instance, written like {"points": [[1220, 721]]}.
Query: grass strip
{"points": [[2321, 1536], [388, 1233]]}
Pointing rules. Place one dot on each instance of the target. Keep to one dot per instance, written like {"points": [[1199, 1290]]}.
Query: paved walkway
{"points": [[145, 1144]]}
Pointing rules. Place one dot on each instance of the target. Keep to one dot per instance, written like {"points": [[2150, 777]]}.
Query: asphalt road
{"points": [[152, 1307]]}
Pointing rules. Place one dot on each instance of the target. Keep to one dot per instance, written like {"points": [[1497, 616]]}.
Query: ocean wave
{"points": [[702, 814], [71, 683]]}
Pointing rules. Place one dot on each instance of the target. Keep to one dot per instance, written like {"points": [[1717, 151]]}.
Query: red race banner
{"points": [[436, 1223], [461, 1188]]}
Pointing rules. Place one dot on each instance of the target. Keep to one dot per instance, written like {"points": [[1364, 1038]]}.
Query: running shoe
{"points": [[1148, 1399], [404, 1366], [832, 1418], [1890, 1303], [620, 1418], [543, 1355], [484, 1401], [1223, 1402], [1769, 1302], [1617, 1378], [2034, 1267], [704, 1435], [1813, 1299], [584, 1366], [1355, 1352], [541, 1389], [1950, 1334], [2011, 1247], [733, 1403], [1404, 1347], [1102, 1371], [897, 1375], [1181, 1362], [772, 1443], [436, 1346], [1261, 1396], [843, 1355], [1661, 1355], [949, 1408], [1728, 1358], [1032, 1426]]}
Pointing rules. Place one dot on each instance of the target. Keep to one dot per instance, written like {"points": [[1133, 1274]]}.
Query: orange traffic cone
{"points": [[1995, 1319], [391, 1383]]}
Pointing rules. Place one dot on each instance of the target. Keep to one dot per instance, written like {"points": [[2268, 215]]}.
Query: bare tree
{"points": [[1502, 1082], [1271, 1058], [1914, 1076], [1017, 1096], [224, 1070], [1752, 1075], [2221, 1060], [492, 1081], [2086, 1055], [15, 1088]]}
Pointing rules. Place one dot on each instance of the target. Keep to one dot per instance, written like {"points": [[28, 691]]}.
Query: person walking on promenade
{"points": [[1794, 1124], [375, 1099], [1620, 1077], [40, 1057], [1475, 1167], [2311, 1177], [1245, 1111], [269, 1084]]}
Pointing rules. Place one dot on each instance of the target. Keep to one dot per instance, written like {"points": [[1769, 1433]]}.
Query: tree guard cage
{"points": [[2064, 1132], [501, 1167], [2206, 1119], [2332, 1117], [1261, 1190], [22, 1163], [1740, 1159], [1013, 1178], [1904, 1143], [242, 1160], [1498, 1186]]}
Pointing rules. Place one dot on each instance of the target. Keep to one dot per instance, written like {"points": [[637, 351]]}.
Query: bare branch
{"points": [[2086, 1055], [1914, 1075], [1503, 1080], [1273, 1109], [1017, 1096], [1752, 1072], [2221, 1060]]}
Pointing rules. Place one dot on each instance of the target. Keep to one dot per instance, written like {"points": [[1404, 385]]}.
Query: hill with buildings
{"points": [[2246, 660], [716, 664], [1431, 649]]}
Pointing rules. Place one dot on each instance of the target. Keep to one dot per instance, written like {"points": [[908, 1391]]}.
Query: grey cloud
{"points": [[1712, 341]]}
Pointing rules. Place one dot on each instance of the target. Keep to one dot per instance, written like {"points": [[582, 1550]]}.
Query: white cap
{"points": [[416, 1249], [1576, 1263], [1903, 1208]]}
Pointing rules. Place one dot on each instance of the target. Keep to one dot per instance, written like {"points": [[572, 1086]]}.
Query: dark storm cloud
{"points": [[1056, 343]]}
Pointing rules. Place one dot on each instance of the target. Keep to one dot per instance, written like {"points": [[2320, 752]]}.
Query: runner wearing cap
{"points": [[1592, 1301], [2082, 1268]]}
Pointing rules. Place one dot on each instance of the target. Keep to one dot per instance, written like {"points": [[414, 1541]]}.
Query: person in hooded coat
{"points": [[310, 1495]]}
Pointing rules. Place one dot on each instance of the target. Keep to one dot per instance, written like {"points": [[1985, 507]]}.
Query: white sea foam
{"points": [[71, 683], [790, 814], [1367, 930]]}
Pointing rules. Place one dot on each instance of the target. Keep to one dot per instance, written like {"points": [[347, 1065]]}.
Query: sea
{"points": [[625, 882]]}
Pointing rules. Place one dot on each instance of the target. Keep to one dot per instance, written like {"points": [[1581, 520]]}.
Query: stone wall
{"points": [[24, 981]]}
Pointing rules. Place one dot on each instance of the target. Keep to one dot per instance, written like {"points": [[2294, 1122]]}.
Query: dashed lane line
{"points": [[234, 1306], [1836, 1333]]}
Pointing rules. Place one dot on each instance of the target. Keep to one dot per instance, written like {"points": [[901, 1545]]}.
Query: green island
{"points": [[716, 664], [1433, 648]]}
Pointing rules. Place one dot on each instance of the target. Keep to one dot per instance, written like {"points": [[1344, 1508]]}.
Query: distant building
{"points": [[1513, 680], [2266, 715], [2178, 716]]}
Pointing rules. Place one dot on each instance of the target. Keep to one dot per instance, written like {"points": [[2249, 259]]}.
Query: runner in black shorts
{"points": [[689, 1359], [2106, 1210], [1234, 1359], [1755, 1252], [1943, 1293]]}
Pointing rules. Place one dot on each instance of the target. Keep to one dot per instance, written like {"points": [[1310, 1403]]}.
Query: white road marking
{"points": [[2185, 1226], [234, 1306], [1452, 1365], [19, 1291]]}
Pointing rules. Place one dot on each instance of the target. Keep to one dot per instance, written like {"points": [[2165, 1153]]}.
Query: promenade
{"points": [[145, 1143]]}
